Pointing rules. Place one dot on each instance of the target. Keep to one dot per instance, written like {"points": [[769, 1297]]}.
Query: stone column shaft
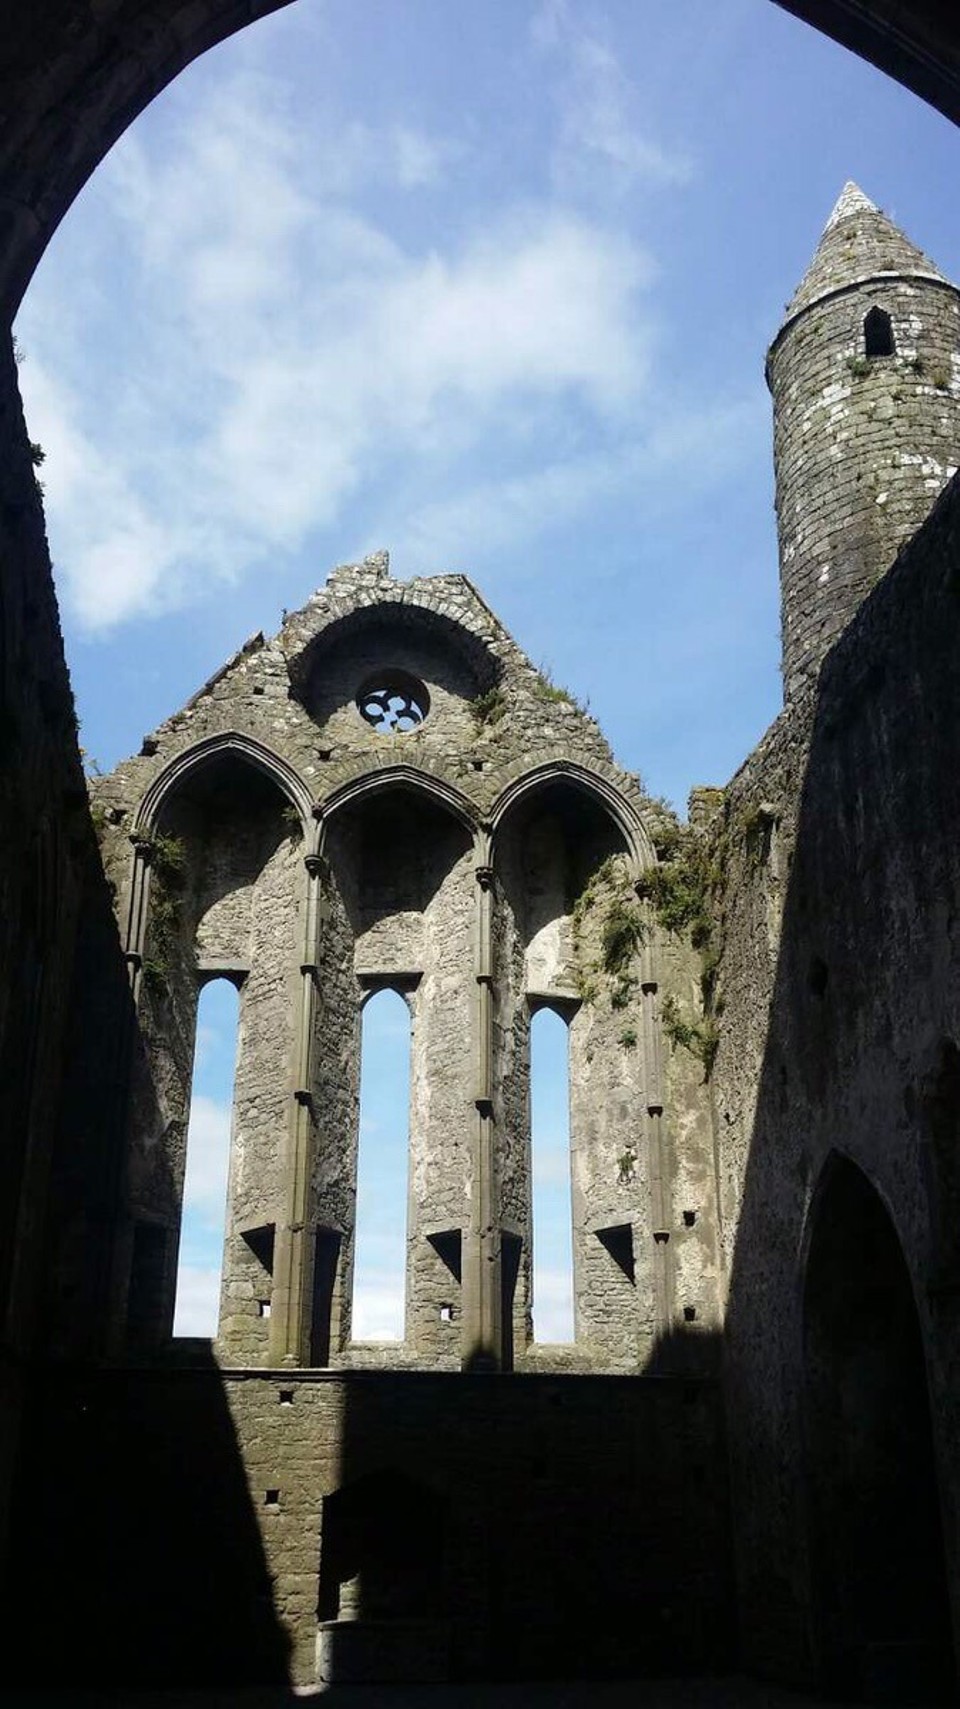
{"points": [[482, 1299], [137, 910], [293, 1249]]}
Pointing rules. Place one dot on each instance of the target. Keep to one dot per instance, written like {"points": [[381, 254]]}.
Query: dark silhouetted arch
{"points": [[876, 1550], [82, 75]]}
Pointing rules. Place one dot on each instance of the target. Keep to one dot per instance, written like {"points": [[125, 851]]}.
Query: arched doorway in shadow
{"points": [[878, 1574], [382, 1589]]}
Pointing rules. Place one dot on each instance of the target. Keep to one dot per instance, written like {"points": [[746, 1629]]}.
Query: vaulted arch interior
{"points": [[224, 883]]}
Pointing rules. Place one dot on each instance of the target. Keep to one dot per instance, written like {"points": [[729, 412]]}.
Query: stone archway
{"points": [[882, 1630], [75, 75]]}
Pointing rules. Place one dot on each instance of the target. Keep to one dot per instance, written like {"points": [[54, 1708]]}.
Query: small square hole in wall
{"points": [[263, 1307], [689, 1218], [271, 1498], [286, 1397], [258, 688], [446, 1314], [477, 765], [690, 1313]]}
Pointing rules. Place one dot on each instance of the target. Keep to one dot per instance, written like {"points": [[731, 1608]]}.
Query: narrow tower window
{"points": [[878, 333], [552, 1208], [379, 1267], [203, 1220]]}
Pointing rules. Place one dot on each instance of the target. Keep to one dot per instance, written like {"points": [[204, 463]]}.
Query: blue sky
{"points": [[208, 1158], [490, 286], [380, 1255], [552, 1208]]}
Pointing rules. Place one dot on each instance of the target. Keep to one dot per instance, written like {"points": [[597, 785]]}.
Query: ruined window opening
{"points": [[379, 1267], [393, 703], [383, 1551], [552, 1206], [878, 337], [204, 1213]]}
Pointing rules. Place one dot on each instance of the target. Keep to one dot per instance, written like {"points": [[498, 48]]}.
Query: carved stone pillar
{"points": [[137, 908], [293, 1247], [482, 1301]]}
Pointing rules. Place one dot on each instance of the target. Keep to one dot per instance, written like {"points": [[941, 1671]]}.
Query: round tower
{"points": [[865, 377]]}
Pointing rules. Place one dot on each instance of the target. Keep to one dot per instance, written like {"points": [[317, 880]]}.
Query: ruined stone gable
{"points": [[389, 795]]}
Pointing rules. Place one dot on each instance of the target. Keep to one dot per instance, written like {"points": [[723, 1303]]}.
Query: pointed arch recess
{"points": [[878, 334], [878, 1584], [400, 777], [640, 849], [231, 743], [838, 1161]]}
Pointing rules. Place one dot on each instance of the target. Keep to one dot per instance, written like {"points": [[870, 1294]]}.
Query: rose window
{"points": [[393, 705]]}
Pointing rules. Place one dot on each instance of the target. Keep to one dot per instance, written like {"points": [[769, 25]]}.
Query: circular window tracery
{"points": [[393, 703]]}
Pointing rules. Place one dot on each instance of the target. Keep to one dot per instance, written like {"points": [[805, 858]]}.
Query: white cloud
{"points": [[198, 1300], [601, 146], [553, 1306], [377, 1308], [551, 1164], [684, 453], [208, 1156], [281, 349]]}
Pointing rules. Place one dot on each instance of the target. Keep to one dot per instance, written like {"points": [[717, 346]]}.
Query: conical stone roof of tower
{"points": [[858, 244]]}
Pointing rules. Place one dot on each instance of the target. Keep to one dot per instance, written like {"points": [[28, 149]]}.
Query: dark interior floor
{"points": [[730, 1693]]}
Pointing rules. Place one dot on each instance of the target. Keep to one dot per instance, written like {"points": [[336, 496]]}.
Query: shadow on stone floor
{"points": [[729, 1693]]}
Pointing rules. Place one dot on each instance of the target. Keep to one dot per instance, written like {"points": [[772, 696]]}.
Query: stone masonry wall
{"points": [[400, 906], [566, 1528], [840, 978], [46, 849], [405, 873], [862, 447]]}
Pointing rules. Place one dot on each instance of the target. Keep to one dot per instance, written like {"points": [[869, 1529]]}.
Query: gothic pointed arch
{"points": [[229, 745], [402, 777], [587, 782], [78, 89]]}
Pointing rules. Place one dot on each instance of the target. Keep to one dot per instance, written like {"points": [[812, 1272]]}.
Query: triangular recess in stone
{"points": [[859, 243]]}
